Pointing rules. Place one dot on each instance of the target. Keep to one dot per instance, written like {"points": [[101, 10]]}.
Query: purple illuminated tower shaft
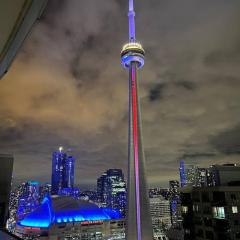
{"points": [[139, 225]]}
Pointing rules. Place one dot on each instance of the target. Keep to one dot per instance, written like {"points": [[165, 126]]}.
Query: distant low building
{"points": [[89, 195], [70, 192]]}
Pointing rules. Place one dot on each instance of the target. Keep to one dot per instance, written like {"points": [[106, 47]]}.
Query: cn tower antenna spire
{"points": [[131, 19]]}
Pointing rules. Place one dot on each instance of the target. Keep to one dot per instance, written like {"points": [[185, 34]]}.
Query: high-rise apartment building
{"points": [[25, 198], [6, 165], [29, 199], [62, 171], [111, 189], [211, 212], [215, 175], [174, 188], [182, 173], [223, 175], [160, 213], [175, 203], [69, 172], [191, 172], [201, 179], [102, 189], [192, 175]]}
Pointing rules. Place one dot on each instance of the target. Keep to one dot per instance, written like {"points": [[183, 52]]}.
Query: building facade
{"points": [[111, 190], [29, 199], [6, 162], [24, 199], [211, 213], [175, 203], [160, 213], [62, 171], [222, 175]]}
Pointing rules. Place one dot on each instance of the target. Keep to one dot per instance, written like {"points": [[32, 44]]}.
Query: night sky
{"points": [[67, 87]]}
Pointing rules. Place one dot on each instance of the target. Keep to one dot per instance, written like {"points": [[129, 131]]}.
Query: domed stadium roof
{"points": [[66, 209]]}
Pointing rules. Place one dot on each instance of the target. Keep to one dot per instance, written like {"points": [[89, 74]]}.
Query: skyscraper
{"points": [[6, 162], [175, 203], [191, 175], [202, 177], [62, 171], [138, 218], [69, 172], [223, 175], [182, 174], [29, 199], [160, 212], [112, 190], [173, 188], [101, 189]]}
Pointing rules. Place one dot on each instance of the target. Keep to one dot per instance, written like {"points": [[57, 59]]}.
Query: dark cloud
{"points": [[156, 92], [186, 84], [228, 141], [218, 57], [197, 155], [11, 134]]}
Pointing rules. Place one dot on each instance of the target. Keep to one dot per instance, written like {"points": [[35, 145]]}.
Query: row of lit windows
{"points": [[218, 212]]}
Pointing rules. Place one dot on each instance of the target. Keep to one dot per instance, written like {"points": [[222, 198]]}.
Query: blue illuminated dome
{"points": [[66, 209]]}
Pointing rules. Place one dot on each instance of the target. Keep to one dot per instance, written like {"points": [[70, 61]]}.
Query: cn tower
{"points": [[139, 224]]}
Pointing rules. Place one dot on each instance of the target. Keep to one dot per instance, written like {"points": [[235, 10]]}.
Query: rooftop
{"points": [[54, 210]]}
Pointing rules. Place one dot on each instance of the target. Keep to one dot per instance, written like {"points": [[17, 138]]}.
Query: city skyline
{"points": [[74, 93]]}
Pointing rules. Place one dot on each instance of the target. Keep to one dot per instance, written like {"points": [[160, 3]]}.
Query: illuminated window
{"points": [[218, 212], [184, 209], [234, 209], [195, 208]]}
